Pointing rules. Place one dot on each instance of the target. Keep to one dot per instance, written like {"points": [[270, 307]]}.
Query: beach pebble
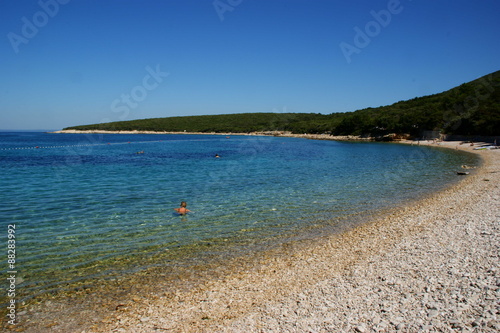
{"points": [[360, 329]]}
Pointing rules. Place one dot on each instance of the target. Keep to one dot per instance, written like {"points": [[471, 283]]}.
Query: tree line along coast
{"points": [[469, 110]]}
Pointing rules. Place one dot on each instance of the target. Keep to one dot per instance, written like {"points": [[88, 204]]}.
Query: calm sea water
{"points": [[91, 206]]}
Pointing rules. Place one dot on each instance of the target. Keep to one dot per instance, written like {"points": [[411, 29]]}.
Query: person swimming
{"points": [[182, 210]]}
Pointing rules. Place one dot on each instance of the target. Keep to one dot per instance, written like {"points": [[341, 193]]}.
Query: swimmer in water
{"points": [[182, 210]]}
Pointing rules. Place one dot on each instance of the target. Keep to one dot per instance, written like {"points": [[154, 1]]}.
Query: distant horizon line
{"points": [[28, 130]]}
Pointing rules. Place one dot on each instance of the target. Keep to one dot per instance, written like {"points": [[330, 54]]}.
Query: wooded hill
{"points": [[470, 109]]}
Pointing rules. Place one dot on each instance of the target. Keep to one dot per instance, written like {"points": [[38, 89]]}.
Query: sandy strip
{"points": [[430, 266], [146, 132]]}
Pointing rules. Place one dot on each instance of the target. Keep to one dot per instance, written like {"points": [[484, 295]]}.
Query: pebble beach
{"points": [[430, 266]]}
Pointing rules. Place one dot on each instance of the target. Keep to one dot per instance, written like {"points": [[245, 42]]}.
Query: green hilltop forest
{"points": [[470, 109]]}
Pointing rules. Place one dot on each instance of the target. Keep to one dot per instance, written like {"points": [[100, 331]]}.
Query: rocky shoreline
{"points": [[265, 133], [432, 266], [363, 138]]}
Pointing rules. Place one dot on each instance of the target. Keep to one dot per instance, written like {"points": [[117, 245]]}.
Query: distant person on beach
{"points": [[182, 210]]}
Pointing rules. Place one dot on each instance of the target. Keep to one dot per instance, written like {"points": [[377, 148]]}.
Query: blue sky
{"points": [[75, 62]]}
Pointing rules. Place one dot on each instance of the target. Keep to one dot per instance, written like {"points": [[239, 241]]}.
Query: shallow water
{"points": [[88, 206]]}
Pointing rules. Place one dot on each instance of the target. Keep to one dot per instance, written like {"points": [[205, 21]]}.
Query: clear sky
{"points": [[76, 62]]}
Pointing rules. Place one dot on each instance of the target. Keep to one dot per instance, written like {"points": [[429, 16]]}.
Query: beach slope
{"points": [[430, 266]]}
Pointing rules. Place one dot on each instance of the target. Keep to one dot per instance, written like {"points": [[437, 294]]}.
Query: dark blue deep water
{"points": [[88, 206]]}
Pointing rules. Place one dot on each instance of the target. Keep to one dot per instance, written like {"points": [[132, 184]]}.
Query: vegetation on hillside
{"points": [[470, 109], [236, 123]]}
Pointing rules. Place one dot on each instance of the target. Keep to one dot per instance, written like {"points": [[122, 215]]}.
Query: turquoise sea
{"points": [[92, 207]]}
